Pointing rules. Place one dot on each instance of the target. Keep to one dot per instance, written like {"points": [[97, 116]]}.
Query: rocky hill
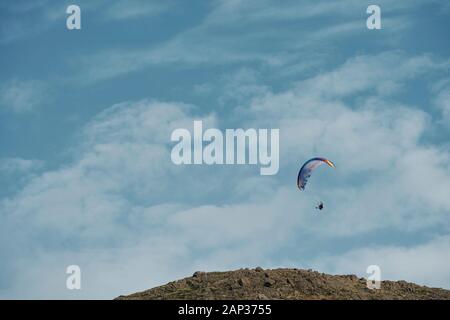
{"points": [[262, 284]]}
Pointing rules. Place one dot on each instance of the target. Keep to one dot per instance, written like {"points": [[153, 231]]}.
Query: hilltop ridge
{"points": [[260, 284]]}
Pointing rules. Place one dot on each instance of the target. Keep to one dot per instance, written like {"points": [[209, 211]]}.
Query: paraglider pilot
{"points": [[305, 173], [319, 205]]}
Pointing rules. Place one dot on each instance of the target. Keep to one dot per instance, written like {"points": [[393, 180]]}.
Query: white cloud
{"points": [[126, 214], [371, 137], [41, 15], [22, 96], [442, 99], [36, 17], [18, 165], [245, 11], [426, 264], [240, 31], [120, 10]]}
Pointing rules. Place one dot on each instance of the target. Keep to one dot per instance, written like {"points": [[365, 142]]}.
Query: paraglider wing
{"points": [[308, 168]]}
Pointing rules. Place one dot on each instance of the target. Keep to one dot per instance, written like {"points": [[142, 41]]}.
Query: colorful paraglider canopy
{"points": [[308, 168]]}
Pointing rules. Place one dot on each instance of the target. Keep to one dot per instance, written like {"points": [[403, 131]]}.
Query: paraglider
{"points": [[306, 170]]}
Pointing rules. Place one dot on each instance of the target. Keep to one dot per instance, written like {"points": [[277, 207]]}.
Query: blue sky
{"points": [[86, 117]]}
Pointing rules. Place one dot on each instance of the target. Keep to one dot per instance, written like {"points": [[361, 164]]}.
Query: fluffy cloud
{"points": [[425, 263], [132, 219], [372, 137], [18, 165], [121, 10], [121, 196], [21, 96], [442, 99]]}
